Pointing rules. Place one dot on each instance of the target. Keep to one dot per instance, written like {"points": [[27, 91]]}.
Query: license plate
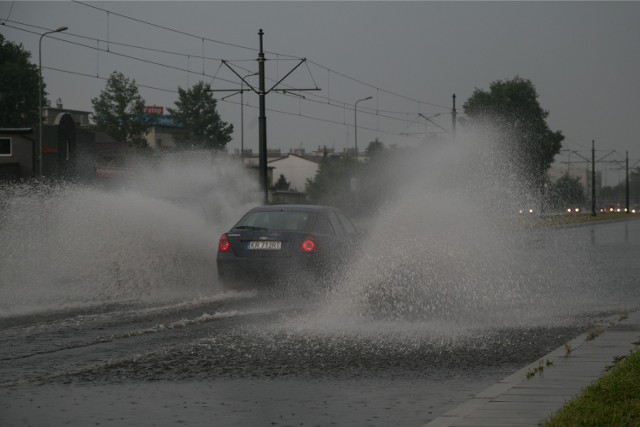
{"points": [[265, 245]]}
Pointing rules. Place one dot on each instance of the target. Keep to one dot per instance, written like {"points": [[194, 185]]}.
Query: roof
{"points": [[16, 130], [312, 159]]}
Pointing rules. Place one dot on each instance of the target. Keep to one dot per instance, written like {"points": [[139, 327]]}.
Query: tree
{"points": [[282, 184], [512, 106], [567, 192], [374, 148], [19, 81], [196, 112], [119, 111], [332, 183]]}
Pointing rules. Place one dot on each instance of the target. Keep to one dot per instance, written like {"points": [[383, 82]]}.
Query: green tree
{"points": [[332, 183], [119, 111], [19, 81], [567, 192], [374, 148], [196, 112], [282, 184], [512, 106]]}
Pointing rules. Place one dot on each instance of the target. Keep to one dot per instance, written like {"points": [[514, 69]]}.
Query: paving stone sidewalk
{"points": [[520, 401]]}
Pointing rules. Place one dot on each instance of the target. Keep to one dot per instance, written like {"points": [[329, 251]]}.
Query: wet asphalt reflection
{"points": [[247, 359]]}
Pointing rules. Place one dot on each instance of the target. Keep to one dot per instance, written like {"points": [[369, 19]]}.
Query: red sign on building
{"points": [[153, 109]]}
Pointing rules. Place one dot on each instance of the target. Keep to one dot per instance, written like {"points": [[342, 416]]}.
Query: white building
{"points": [[296, 170]]}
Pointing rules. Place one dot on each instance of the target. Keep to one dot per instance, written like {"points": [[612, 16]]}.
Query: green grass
{"points": [[586, 218], [614, 400]]}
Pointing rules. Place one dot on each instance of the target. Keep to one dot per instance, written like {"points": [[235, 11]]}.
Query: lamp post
{"points": [[355, 122], [57, 30]]}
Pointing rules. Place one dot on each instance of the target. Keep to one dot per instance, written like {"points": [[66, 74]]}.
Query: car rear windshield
{"points": [[279, 220]]}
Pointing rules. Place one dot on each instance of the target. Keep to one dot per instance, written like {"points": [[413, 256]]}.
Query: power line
{"points": [[288, 113], [376, 87], [325, 100], [329, 101], [255, 50], [163, 27], [135, 58]]}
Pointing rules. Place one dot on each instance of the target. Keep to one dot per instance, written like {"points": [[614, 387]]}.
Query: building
{"points": [[16, 153], [67, 151], [51, 114], [296, 170], [160, 135]]}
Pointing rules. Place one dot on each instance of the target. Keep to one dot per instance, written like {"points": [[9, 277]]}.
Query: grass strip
{"points": [[614, 400], [586, 218]]}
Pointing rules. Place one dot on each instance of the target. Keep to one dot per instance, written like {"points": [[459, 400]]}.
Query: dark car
{"points": [[290, 242]]}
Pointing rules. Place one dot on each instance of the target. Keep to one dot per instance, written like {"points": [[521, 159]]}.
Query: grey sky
{"points": [[583, 57]]}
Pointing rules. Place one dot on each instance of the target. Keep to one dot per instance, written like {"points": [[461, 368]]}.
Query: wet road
{"points": [[254, 359]]}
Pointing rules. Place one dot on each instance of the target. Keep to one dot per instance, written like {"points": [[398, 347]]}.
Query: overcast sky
{"points": [[583, 58]]}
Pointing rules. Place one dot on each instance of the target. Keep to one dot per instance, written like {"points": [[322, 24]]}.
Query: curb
{"points": [[523, 399]]}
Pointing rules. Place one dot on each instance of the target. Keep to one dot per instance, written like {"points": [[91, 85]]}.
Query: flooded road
{"points": [[110, 312], [240, 360], [261, 359]]}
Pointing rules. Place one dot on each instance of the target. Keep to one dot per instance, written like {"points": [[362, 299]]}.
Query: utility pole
{"points": [[262, 119], [593, 177], [453, 117], [262, 124], [627, 210], [355, 122]]}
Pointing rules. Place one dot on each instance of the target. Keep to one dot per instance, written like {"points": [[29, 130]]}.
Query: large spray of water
{"points": [[153, 236], [449, 249], [446, 247]]}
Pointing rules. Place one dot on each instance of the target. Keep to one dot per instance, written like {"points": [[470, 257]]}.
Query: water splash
{"points": [[152, 237], [448, 252]]}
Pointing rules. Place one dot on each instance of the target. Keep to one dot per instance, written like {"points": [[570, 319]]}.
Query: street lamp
{"points": [[57, 30], [355, 121]]}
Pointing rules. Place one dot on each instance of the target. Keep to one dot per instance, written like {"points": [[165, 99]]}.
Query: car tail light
{"points": [[223, 244], [308, 245]]}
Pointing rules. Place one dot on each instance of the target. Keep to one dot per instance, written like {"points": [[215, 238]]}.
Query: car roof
{"points": [[293, 208]]}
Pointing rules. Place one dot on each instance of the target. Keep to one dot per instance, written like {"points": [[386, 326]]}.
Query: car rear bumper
{"points": [[261, 272]]}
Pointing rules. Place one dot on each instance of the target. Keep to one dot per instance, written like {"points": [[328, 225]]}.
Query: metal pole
{"points": [[593, 178], [242, 121], [262, 124], [57, 30], [355, 127], [355, 122], [453, 117], [627, 182]]}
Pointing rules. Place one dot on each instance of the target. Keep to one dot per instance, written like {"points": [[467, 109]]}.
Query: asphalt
{"points": [[535, 392]]}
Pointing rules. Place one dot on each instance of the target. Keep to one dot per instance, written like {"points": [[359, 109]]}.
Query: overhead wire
{"points": [[333, 102], [273, 110], [329, 101], [291, 57]]}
